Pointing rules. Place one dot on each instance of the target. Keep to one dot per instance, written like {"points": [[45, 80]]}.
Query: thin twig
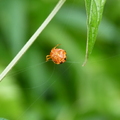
{"points": [[31, 40]]}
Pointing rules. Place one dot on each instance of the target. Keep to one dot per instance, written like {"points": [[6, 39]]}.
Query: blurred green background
{"points": [[39, 90]]}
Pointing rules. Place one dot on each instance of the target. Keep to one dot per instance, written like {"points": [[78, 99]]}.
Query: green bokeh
{"points": [[39, 90]]}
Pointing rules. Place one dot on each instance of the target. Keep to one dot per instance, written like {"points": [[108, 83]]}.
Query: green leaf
{"points": [[94, 9]]}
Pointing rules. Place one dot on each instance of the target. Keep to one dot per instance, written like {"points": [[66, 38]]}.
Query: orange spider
{"points": [[57, 55]]}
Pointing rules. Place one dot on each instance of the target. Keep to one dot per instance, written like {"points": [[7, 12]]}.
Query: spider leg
{"points": [[56, 46], [48, 57]]}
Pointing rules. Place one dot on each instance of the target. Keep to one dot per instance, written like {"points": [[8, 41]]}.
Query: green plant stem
{"points": [[31, 40]]}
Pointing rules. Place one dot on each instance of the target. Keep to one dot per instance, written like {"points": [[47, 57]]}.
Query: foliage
{"points": [[39, 90], [94, 10], [3, 119]]}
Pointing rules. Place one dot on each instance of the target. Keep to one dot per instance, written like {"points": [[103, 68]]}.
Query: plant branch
{"points": [[31, 40]]}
